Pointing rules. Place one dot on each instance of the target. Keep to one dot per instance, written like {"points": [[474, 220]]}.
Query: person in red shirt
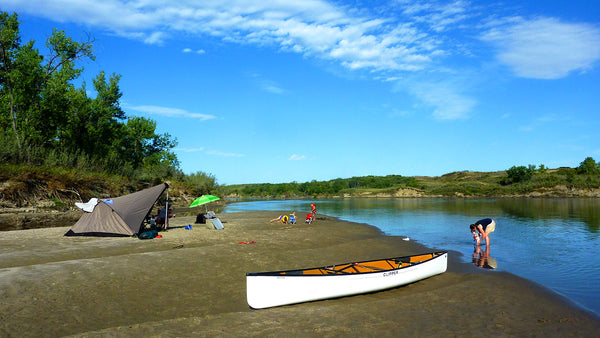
{"points": [[309, 218]]}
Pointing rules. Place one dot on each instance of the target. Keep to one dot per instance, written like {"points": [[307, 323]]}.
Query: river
{"points": [[554, 242]]}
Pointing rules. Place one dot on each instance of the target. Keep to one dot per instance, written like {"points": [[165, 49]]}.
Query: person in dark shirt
{"points": [[482, 229]]}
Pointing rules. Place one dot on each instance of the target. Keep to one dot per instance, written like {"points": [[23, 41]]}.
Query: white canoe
{"points": [[268, 289]]}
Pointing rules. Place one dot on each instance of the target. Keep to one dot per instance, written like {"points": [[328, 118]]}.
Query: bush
{"points": [[518, 174], [201, 183]]}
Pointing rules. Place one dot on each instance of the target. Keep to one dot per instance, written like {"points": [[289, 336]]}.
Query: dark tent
{"points": [[119, 216]]}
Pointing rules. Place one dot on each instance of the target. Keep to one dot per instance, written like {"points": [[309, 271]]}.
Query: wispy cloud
{"points": [[313, 28], [223, 154], [445, 95], [545, 48], [543, 120], [209, 152], [198, 51], [438, 16], [401, 36], [190, 150], [271, 87], [155, 38], [265, 84], [171, 112], [386, 40], [295, 157]]}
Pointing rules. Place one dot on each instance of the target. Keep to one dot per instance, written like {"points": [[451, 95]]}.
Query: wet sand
{"points": [[192, 283]]}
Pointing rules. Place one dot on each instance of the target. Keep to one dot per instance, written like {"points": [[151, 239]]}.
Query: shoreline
{"points": [[192, 282]]}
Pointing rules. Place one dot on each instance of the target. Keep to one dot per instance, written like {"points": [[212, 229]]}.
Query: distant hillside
{"points": [[517, 181]]}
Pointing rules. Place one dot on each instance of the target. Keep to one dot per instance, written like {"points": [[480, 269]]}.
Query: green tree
{"points": [[45, 119], [10, 41], [588, 166], [33, 93], [518, 174], [202, 183]]}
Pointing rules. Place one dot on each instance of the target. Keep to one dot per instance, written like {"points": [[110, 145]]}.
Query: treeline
{"points": [[332, 187], [518, 180], [46, 121]]}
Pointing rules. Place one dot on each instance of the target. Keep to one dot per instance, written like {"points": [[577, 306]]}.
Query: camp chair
{"points": [[216, 222]]}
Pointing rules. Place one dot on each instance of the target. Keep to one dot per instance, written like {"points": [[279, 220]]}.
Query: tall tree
{"points": [[36, 93], [10, 41], [588, 166], [42, 112]]}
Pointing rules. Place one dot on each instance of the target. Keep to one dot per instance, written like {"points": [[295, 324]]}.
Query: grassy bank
{"points": [[57, 188], [563, 182], [23, 186]]}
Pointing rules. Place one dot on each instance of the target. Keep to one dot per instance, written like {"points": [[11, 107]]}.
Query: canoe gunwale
{"points": [[298, 272]]}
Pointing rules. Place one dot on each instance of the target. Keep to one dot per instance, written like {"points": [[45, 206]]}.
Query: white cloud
{"points": [[438, 16], [171, 112], [403, 40], [295, 157], [209, 152], [545, 48], [527, 128], [445, 96], [189, 50], [265, 84], [190, 150], [312, 27], [155, 38], [271, 87], [223, 154]]}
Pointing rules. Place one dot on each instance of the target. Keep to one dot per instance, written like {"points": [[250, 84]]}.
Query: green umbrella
{"points": [[203, 200]]}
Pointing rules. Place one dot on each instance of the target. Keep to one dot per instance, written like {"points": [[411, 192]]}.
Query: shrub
{"points": [[518, 174]]}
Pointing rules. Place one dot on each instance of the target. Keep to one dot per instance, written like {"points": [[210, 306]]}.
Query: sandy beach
{"points": [[192, 283]]}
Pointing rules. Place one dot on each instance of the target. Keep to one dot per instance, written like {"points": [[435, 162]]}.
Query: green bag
{"points": [[148, 234]]}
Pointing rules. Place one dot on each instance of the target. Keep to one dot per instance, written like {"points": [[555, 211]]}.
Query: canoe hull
{"points": [[268, 290]]}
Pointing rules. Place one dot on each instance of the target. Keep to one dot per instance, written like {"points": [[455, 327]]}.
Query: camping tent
{"points": [[119, 216]]}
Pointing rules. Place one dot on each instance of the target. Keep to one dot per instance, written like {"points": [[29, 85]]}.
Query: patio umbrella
{"points": [[204, 199]]}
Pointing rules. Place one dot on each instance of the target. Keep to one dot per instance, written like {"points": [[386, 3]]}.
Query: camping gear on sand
{"points": [[217, 224], [118, 216], [268, 289], [204, 199]]}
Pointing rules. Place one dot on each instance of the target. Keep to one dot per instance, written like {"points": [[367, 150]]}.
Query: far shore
{"points": [[192, 283]]}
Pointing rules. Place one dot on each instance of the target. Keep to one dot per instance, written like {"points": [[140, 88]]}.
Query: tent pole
{"points": [[167, 211]]}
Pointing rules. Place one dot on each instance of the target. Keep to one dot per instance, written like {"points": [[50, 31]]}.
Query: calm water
{"points": [[554, 242]]}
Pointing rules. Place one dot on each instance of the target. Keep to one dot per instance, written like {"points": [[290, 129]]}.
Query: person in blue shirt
{"points": [[482, 229]]}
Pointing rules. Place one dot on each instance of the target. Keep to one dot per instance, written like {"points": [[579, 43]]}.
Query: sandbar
{"points": [[192, 283]]}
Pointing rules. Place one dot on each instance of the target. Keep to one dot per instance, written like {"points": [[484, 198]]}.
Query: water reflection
{"points": [[585, 210], [482, 258]]}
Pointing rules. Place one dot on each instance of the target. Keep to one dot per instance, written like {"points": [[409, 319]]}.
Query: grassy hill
{"points": [[56, 188], [562, 182]]}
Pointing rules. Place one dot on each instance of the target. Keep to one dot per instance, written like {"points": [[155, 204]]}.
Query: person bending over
{"points": [[482, 229]]}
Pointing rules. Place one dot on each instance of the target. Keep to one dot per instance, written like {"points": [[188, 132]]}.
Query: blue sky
{"points": [[300, 90]]}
